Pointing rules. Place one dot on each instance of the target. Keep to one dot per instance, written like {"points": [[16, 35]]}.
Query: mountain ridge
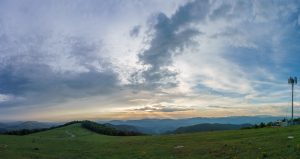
{"points": [[159, 126]]}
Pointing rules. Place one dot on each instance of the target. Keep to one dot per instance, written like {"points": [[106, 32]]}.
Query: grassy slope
{"points": [[59, 144]]}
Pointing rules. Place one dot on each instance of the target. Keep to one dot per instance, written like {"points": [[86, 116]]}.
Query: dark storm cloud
{"points": [[39, 84], [27, 75], [170, 37]]}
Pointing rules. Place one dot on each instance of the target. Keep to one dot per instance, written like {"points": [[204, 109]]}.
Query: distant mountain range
{"points": [[123, 127], [158, 126], [150, 126], [10, 126], [207, 127]]}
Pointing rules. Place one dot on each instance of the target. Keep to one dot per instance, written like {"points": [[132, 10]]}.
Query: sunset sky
{"points": [[132, 59]]}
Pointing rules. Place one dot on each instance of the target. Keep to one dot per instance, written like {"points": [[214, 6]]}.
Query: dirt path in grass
{"points": [[70, 134]]}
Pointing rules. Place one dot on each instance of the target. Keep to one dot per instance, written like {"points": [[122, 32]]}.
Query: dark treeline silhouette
{"points": [[107, 130], [262, 125], [25, 131]]}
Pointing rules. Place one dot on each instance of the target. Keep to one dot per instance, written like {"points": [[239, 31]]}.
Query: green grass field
{"points": [[74, 142]]}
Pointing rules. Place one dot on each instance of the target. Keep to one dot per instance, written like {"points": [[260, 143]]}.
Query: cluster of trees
{"points": [[107, 130], [24, 131], [66, 124], [261, 125], [297, 120], [270, 124]]}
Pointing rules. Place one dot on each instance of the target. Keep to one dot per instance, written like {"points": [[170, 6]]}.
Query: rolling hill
{"points": [[159, 126], [11, 126], [104, 129], [208, 127], [2, 127], [75, 142]]}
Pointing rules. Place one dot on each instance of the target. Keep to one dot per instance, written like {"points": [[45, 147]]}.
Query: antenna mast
{"points": [[292, 81]]}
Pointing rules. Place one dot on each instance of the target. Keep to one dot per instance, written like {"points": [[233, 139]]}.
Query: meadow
{"points": [[75, 142]]}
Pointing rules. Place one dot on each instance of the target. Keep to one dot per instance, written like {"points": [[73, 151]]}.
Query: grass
{"points": [[84, 144]]}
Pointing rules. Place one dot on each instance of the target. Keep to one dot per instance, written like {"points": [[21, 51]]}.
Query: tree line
{"points": [[107, 130]]}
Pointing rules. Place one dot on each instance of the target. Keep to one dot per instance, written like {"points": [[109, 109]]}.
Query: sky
{"points": [[133, 59]]}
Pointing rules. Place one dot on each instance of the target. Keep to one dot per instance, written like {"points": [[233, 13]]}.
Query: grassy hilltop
{"points": [[75, 142]]}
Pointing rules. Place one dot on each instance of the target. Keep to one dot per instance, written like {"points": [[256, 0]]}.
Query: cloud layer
{"points": [[183, 58]]}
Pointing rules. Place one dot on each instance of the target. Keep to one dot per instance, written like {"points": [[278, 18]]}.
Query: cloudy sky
{"points": [[128, 59]]}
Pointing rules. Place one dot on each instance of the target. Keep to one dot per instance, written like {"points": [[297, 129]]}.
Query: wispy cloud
{"points": [[161, 108]]}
